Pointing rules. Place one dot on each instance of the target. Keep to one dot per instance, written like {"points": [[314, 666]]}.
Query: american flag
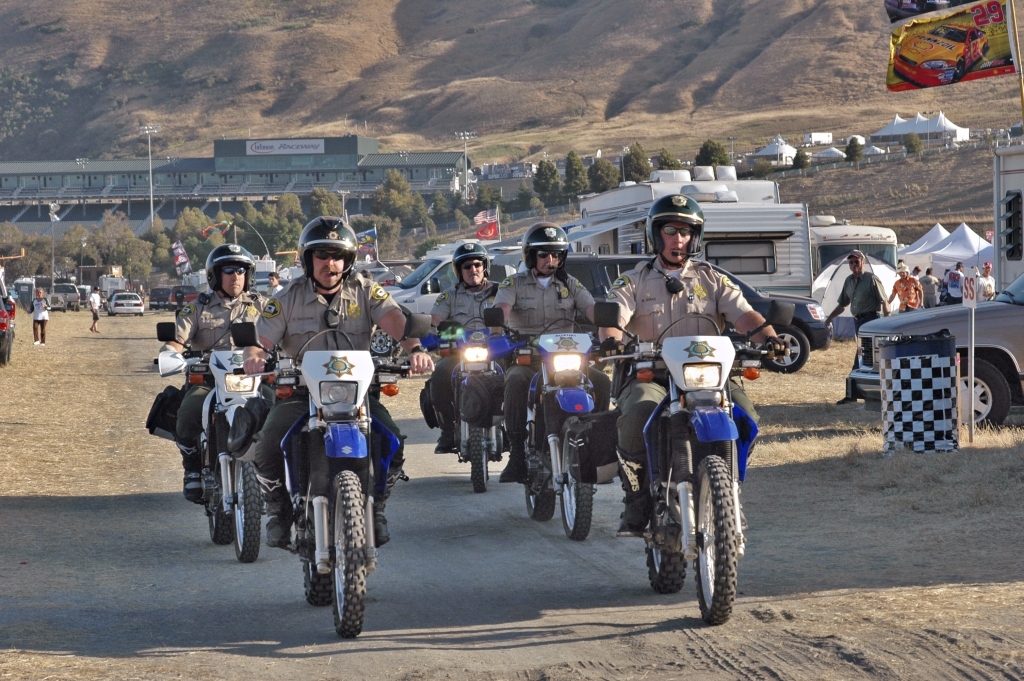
{"points": [[486, 217]]}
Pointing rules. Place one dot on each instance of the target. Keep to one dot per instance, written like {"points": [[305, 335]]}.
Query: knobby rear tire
{"points": [[715, 569], [666, 570], [540, 507], [319, 589], [348, 531], [476, 452]]}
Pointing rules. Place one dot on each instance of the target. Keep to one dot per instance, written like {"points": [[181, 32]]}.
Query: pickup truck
{"points": [[998, 343], [64, 297]]}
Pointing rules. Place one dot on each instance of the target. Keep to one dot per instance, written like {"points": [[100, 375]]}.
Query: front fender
{"points": [[575, 400], [344, 441], [713, 424]]}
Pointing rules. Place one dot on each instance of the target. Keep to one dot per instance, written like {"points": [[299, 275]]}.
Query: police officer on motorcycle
{"points": [[671, 287], [463, 304], [330, 294], [203, 325], [543, 299]]}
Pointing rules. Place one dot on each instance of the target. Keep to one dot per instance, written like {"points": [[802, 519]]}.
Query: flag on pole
{"points": [[223, 226], [488, 222], [54, 207], [367, 243]]}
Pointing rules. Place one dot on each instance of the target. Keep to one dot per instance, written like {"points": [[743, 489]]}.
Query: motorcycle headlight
{"points": [[238, 383], [474, 354], [342, 393], [567, 362], [702, 375]]}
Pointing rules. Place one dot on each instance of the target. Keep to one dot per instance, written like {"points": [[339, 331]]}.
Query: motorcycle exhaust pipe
{"points": [[227, 492], [371, 540], [739, 518], [689, 538], [322, 556], [556, 468]]}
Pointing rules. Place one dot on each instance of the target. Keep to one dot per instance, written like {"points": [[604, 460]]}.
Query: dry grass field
{"points": [[529, 75]]}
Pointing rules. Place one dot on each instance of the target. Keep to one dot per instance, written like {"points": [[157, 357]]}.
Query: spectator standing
{"points": [[986, 283], [94, 307], [955, 285], [274, 279], [908, 289], [917, 272], [930, 287], [40, 315], [864, 294]]}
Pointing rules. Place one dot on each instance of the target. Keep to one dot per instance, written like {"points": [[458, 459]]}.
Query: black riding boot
{"points": [[515, 469], [192, 482], [636, 513], [380, 523], [279, 513]]}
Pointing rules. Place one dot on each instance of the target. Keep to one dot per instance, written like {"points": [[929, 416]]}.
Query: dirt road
{"points": [[856, 567]]}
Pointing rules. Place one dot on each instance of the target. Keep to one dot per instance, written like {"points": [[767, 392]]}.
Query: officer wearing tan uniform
{"points": [[203, 325], [543, 299], [670, 288], [463, 304], [329, 295]]}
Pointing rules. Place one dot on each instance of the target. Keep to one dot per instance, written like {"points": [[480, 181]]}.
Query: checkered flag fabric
{"points": [[919, 403]]}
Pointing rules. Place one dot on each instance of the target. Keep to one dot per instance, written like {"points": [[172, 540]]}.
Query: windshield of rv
{"points": [[829, 252], [420, 274]]}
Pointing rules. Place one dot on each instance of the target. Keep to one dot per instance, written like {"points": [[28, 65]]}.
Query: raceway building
{"points": [[240, 170]]}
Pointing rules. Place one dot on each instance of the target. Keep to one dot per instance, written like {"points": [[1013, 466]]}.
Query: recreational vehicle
{"points": [[830, 241]]}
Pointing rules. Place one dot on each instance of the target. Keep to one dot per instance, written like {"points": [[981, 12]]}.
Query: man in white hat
{"points": [[907, 288]]}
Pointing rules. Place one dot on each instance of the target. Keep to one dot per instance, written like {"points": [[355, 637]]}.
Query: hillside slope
{"points": [[548, 75]]}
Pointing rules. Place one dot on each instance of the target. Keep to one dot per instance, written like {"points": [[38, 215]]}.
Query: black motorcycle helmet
{"points": [[229, 254], [544, 236], [470, 252], [329, 234], [675, 208]]}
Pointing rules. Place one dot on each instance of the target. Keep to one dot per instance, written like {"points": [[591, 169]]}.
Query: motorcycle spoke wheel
{"points": [[222, 525], [577, 499], [476, 452], [666, 570], [248, 512], [349, 536], [715, 568]]}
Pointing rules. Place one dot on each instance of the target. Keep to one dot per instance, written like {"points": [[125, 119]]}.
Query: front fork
{"points": [[554, 446], [322, 554], [688, 516], [227, 481]]}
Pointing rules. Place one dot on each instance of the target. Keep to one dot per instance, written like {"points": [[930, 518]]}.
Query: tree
{"points": [[712, 153], [911, 142], [395, 199], [523, 198], [854, 150], [323, 202], [462, 222], [546, 183], [762, 167], [801, 160], [487, 197], [421, 249], [576, 181], [636, 165], [667, 161], [387, 231], [442, 210], [603, 175]]}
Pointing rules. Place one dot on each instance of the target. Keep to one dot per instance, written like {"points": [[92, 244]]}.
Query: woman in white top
{"points": [[40, 315]]}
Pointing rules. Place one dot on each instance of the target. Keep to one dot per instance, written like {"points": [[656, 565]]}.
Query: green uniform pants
{"points": [[441, 394]]}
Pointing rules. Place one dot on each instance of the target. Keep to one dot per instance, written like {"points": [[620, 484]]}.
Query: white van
{"points": [[830, 241]]}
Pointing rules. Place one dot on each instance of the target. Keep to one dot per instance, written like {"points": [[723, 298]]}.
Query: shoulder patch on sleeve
{"points": [[188, 309], [443, 297], [377, 292], [621, 282], [726, 281], [507, 283], [272, 308]]}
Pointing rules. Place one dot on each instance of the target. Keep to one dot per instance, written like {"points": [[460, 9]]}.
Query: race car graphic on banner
{"points": [[968, 44], [905, 9]]}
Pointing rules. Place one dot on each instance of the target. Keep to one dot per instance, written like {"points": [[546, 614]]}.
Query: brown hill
{"points": [[79, 76]]}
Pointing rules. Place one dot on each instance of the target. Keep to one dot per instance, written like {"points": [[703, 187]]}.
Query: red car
{"points": [[8, 309], [941, 56]]}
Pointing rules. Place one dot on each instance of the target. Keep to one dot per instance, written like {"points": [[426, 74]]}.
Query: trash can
{"points": [[918, 381]]}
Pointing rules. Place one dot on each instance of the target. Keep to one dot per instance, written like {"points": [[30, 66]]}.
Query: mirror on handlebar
{"points": [[243, 335], [494, 316], [447, 326], [780, 314], [606, 315], [417, 325], [165, 332]]}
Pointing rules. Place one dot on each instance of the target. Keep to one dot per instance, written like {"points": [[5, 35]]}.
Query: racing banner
{"points": [[906, 9], [969, 44]]}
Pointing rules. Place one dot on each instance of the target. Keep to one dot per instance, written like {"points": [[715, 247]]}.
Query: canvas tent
{"points": [[936, 128], [875, 151], [963, 245], [829, 285], [829, 155], [917, 253], [778, 150]]}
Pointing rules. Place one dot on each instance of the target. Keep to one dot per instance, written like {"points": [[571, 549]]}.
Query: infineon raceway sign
{"points": [[283, 147]]}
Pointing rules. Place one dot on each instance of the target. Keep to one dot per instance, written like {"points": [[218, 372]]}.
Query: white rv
{"points": [[830, 240], [748, 232], [1007, 200]]}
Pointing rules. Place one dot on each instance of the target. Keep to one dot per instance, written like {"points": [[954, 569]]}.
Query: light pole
{"points": [[81, 260], [149, 131], [732, 150], [465, 137], [54, 207], [625, 150]]}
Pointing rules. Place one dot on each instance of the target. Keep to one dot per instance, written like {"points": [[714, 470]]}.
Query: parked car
{"points": [[69, 295], [807, 332], [160, 299], [125, 303], [384, 276], [83, 295], [8, 312], [999, 351]]}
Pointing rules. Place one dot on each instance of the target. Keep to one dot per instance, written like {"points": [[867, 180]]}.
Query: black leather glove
{"points": [[611, 346], [776, 346]]}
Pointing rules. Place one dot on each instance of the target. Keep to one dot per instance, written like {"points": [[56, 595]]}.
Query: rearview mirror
{"points": [[417, 325], [446, 326], [243, 335], [166, 332], [606, 315], [780, 314], [494, 316], [433, 285], [170, 363]]}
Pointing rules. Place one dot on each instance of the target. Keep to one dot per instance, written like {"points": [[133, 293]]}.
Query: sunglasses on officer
{"points": [[671, 230], [234, 270], [548, 254], [473, 265], [329, 255]]}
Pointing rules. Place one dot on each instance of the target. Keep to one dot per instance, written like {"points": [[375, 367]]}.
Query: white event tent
{"points": [[963, 245], [875, 151], [937, 127], [828, 285], [917, 253], [778, 150], [828, 155]]}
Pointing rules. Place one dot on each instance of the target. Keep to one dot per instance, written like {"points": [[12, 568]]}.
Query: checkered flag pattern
{"points": [[919, 403]]}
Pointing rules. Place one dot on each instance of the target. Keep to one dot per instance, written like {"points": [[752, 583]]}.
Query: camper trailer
{"points": [[1008, 206], [748, 232], [830, 240]]}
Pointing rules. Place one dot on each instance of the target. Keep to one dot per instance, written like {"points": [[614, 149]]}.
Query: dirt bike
{"points": [[479, 439], [698, 443], [231, 493], [337, 458]]}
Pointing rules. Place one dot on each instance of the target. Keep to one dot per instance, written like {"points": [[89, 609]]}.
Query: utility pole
{"points": [[149, 131], [732, 150], [625, 150], [465, 137]]}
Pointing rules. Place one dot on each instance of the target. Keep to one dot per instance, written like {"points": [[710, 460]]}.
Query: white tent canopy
{"points": [[932, 238], [874, 151], [936, 127], [829, 154], [829, 285], [778, 149], [963, 245]]}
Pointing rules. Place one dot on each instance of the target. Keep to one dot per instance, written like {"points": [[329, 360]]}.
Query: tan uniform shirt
{"points": [[299, 313], [459, 304], [534, 307], [206, 326], [647, 308]]}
